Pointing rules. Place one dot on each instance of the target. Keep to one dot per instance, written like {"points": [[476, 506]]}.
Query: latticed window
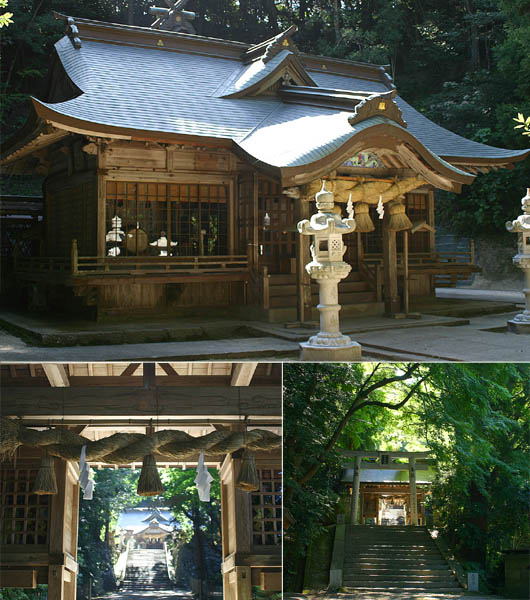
{"points": [[25, 516], [159, 219], [267, 509]]}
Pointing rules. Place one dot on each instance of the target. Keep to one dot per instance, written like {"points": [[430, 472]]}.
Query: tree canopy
{"points": [[474, 418]]}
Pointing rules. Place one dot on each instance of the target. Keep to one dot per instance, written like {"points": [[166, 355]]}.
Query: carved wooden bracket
{"points": [[378, 105]]}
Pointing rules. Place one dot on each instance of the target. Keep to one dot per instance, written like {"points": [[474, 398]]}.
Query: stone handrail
{"points": [[120, 567], [337, 557], [454, 565], [169, 563]]}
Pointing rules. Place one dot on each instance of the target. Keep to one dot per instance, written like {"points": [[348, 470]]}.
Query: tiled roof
{"points": [[152, 89]]}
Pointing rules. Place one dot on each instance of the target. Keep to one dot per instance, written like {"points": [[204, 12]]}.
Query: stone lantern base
{"points": [[349, 351], [519, 326]]}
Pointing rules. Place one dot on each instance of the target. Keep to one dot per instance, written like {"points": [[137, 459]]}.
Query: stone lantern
{"points": [[328, 268], [521, 322]]}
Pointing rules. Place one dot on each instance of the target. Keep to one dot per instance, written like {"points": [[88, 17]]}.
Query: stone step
{"points": [[446, 577], [290, 289], [403, 590], [371, 571], [393, 584], [356, 297]]}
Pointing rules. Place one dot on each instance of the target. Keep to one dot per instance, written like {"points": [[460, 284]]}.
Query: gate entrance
{"points": [[123, 414]]}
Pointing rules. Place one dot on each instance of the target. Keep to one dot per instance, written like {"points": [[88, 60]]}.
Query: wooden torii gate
{"points": [[39, 533]]}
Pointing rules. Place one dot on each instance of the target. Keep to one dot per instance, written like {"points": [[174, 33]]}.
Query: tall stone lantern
{"points": [[521, 322], [328, 268]]}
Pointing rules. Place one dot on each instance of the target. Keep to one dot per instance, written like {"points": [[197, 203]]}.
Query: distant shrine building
{"points": [[177, 166], [145, 528], [387, 488]]}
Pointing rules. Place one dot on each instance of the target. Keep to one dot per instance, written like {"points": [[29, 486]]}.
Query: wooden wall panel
{"points": [[71, 212]]}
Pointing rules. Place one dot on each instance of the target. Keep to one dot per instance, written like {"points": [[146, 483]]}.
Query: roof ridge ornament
{"points": [[173, 18], [378, 105], [268, 49]]}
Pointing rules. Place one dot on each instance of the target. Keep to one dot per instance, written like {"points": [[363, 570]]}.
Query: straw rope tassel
{"points": [[45, 482], [149, 483], [363, 221], [397, 218]]}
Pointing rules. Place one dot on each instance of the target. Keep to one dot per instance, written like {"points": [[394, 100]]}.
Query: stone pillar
{"points": [[328, 268], [521, 322], [354, 520], [413, 492]]}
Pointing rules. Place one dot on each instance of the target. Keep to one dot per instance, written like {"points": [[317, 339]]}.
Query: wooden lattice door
{"points": [[277, 237]]}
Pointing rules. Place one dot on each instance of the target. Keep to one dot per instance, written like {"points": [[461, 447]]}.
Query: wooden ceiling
{"points": [[132, 374], [97, 400]]}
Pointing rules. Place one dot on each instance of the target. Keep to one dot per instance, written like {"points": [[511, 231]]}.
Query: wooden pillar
{"points": [[354, 518], [413, 492], [255, 223], [392, 300], [64, 518], [406, 272], [303, 257], [236, 532], [102, 210]]}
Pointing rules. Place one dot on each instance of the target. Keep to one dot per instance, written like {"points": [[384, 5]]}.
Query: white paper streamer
{"points": [[203, 480], [85, 476]]}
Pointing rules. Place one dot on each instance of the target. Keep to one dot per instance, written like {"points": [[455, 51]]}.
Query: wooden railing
{"points": [[133, 265]]}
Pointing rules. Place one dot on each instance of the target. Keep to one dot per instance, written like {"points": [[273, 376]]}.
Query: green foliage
{"points": [[474, 418], [317, 398], [183, 498], [524, 124], [21, 594]]}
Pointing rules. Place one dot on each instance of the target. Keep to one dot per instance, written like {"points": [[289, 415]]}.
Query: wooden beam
{"points": [[18, 578], [168, 369], [130, 370], [242, 373], [89, 404], [56, 374]]}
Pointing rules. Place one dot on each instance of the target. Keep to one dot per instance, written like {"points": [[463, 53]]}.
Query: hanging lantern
{"points": [[397, 218], [149, 483], [363, 221], [45, 482], [248, 479]]}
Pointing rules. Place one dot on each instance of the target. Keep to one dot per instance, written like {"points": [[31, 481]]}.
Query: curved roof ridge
{"points": [[258, 73]]}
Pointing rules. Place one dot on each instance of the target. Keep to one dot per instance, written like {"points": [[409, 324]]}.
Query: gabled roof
{"points": [[144, 84]]}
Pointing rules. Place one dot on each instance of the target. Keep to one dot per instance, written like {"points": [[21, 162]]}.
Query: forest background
{"points": [[463, 63], [473, 418]]}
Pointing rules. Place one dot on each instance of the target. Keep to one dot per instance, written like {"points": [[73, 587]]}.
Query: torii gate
{"points": [[96, 400], [381, 459]]}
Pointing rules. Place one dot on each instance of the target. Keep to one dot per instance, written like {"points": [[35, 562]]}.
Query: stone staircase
{"points": [[395, 559], [146, 571], [355, 297]]}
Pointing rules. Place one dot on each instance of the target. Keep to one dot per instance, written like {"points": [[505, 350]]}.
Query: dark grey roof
{"points": [[176, 92]]}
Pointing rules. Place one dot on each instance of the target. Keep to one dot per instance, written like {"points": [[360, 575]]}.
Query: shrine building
{"points": [[387, 488], [224, 416], [177, 166]]}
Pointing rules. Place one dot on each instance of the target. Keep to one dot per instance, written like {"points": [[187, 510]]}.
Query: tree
{"points": [[473, 418], [200, 521], [327, 406]]}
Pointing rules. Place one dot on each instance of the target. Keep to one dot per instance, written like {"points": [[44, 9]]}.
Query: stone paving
{"points": [[158, 595], [430, 338], [390, 596]]}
